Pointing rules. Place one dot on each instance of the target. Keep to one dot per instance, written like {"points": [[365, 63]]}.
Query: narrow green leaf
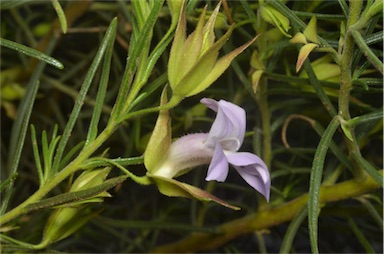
{"points": [[19, 131], [375, 61], [70, 154], [36, 154], [372, 211], [156, 53], [60, 15], [318, 88], [135, 50], [97, 162], [20, 126], [374, 38], [108, 39], [291, 231], [51, 153], [45, 151], [373, 172], [315, 181], [334, 147], [31, 52], [104, 79], [74, 196], [374, 116], [360, 236], [344, 7], [153, 86]]}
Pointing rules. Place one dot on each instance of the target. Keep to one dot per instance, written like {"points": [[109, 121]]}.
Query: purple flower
{"points": [[218, 148]]}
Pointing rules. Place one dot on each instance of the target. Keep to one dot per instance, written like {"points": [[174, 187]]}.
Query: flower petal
{"points": [[253, 170], [187, 152], [229, 123], [218, 169]]}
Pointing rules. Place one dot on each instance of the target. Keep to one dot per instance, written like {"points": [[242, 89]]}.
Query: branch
{"points": [[267, 218]]}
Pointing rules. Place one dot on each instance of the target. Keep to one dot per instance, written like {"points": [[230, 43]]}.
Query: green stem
{"points": [[175, 100], [266, 123], [346, 81], [144, 74], [76, 164], [62, 175]]}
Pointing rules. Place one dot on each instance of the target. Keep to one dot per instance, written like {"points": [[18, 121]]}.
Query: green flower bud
{"points": [[62, 223], [193, 63], [65, 221]]}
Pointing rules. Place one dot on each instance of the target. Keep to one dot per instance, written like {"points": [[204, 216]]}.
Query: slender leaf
{"points": [[344, 7], [315, 181], [291, 231], [70, 154], [74, 196], [360, 236], [60, 15], [36, 154], [319, 90], [20, 126], [134, 52], [375, 61], [334, 147], [19, 131], [96, 162], [372, 211], [374, 38], [374, 173], [374, 116], [92, 131], [31, 52], [108, 39]]}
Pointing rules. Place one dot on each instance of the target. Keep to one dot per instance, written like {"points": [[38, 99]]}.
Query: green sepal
{"points": [[173, 188], [192, 82], [160, 140]]}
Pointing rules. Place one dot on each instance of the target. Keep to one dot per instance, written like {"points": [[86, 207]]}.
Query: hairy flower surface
{"points": [[218, 148]]}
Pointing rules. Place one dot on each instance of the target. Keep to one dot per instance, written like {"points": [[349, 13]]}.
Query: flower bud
{"points": [[193, 63], [65, 221]]}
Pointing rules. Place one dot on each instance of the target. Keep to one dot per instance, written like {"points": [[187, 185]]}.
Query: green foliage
{"points": [[314, 115]]}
